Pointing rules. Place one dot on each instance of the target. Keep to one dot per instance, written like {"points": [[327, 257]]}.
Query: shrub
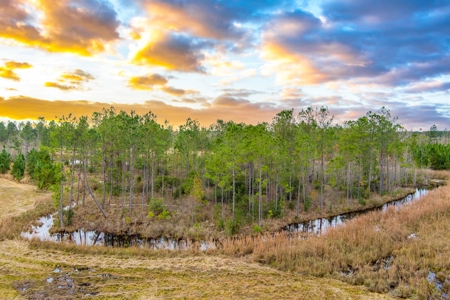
{"points": [[257, 229], [156, 206], [164, 215], [231, 227]]}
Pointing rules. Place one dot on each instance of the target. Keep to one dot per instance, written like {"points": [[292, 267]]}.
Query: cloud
{"points": [[71, 81], [177, 35], [8, 74], [218, 20], [82, 27], [152, 82], [290, 68], [392, 43], [62, 87], [177, 92], [147, 82], [224, 107], [172, 51], [17, 65], [7, 71], [427, 86], [240, 92], [290, 92], [22, 107]]}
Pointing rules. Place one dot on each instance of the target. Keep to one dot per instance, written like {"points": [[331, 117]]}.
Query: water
{"points": [[90, 238], [41, 232], [437, 283], [319, 226]]}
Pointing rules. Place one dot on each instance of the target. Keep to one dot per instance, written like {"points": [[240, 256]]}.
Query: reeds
{"points": [[391, 251]]}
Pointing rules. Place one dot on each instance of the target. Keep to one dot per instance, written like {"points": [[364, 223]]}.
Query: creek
{"points": [[320, 225], [90, 238]]}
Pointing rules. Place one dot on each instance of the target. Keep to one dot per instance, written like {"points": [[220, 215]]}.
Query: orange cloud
{"points": [[76, 80], [62, 87], [174, 52], [177, 92], [17, 65], [156, 81], [8, 74], [8, 70], [146, 82], [290, 68], [80, 27], [22, 107]]}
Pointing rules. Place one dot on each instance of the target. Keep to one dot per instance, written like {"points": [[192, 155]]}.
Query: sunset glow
{"points": [[233, 60]]}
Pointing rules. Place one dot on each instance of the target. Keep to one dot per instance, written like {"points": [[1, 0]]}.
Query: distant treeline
{"points": [[254, 170]]}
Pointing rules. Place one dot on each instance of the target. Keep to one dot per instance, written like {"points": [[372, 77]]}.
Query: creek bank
{"points": [[92, 237]]}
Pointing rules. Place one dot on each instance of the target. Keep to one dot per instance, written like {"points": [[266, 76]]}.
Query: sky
{"points": [[226, 59]]}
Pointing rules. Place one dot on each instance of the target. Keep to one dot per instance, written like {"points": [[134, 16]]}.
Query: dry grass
{"points": [[117, 275], [132, 273], [374, 249], [20, 205], [15, 197]]}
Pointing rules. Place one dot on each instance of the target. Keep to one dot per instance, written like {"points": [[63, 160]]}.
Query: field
{"points": [[34, 270]]}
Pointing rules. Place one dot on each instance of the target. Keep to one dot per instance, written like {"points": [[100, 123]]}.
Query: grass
{"points": [[122, 275], [391, 253], [20, 205], [387, 252], [27, 269]]}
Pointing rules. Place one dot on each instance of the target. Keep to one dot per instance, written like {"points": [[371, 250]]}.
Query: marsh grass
{"points": [[393, 251], [141, 274]]}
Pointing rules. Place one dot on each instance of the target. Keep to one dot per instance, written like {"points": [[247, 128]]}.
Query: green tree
{"points": [[5, 161], [3, 133], [28, 134], [18, 168]]}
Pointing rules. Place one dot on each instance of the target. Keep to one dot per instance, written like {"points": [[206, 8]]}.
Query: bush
{"points": [[231, 227], [257, 229], [156, 206], [164, 215]]}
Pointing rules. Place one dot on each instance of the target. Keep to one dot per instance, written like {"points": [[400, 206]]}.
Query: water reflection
{"points": [[319, 226], [90, 238]]}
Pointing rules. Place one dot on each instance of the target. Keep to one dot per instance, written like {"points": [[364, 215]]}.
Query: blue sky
{"points": [[238, 60]]}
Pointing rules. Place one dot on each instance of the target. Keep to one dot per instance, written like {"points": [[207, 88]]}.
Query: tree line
{"points": [[249, 172]]}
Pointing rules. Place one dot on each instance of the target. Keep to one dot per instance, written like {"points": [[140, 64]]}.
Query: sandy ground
{"points": [[36, 273]]}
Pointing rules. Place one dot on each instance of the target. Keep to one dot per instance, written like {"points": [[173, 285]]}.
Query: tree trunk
{"points": [[72, 178], [260, 196], [234, 192], [131, 179], [153, 175]]}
